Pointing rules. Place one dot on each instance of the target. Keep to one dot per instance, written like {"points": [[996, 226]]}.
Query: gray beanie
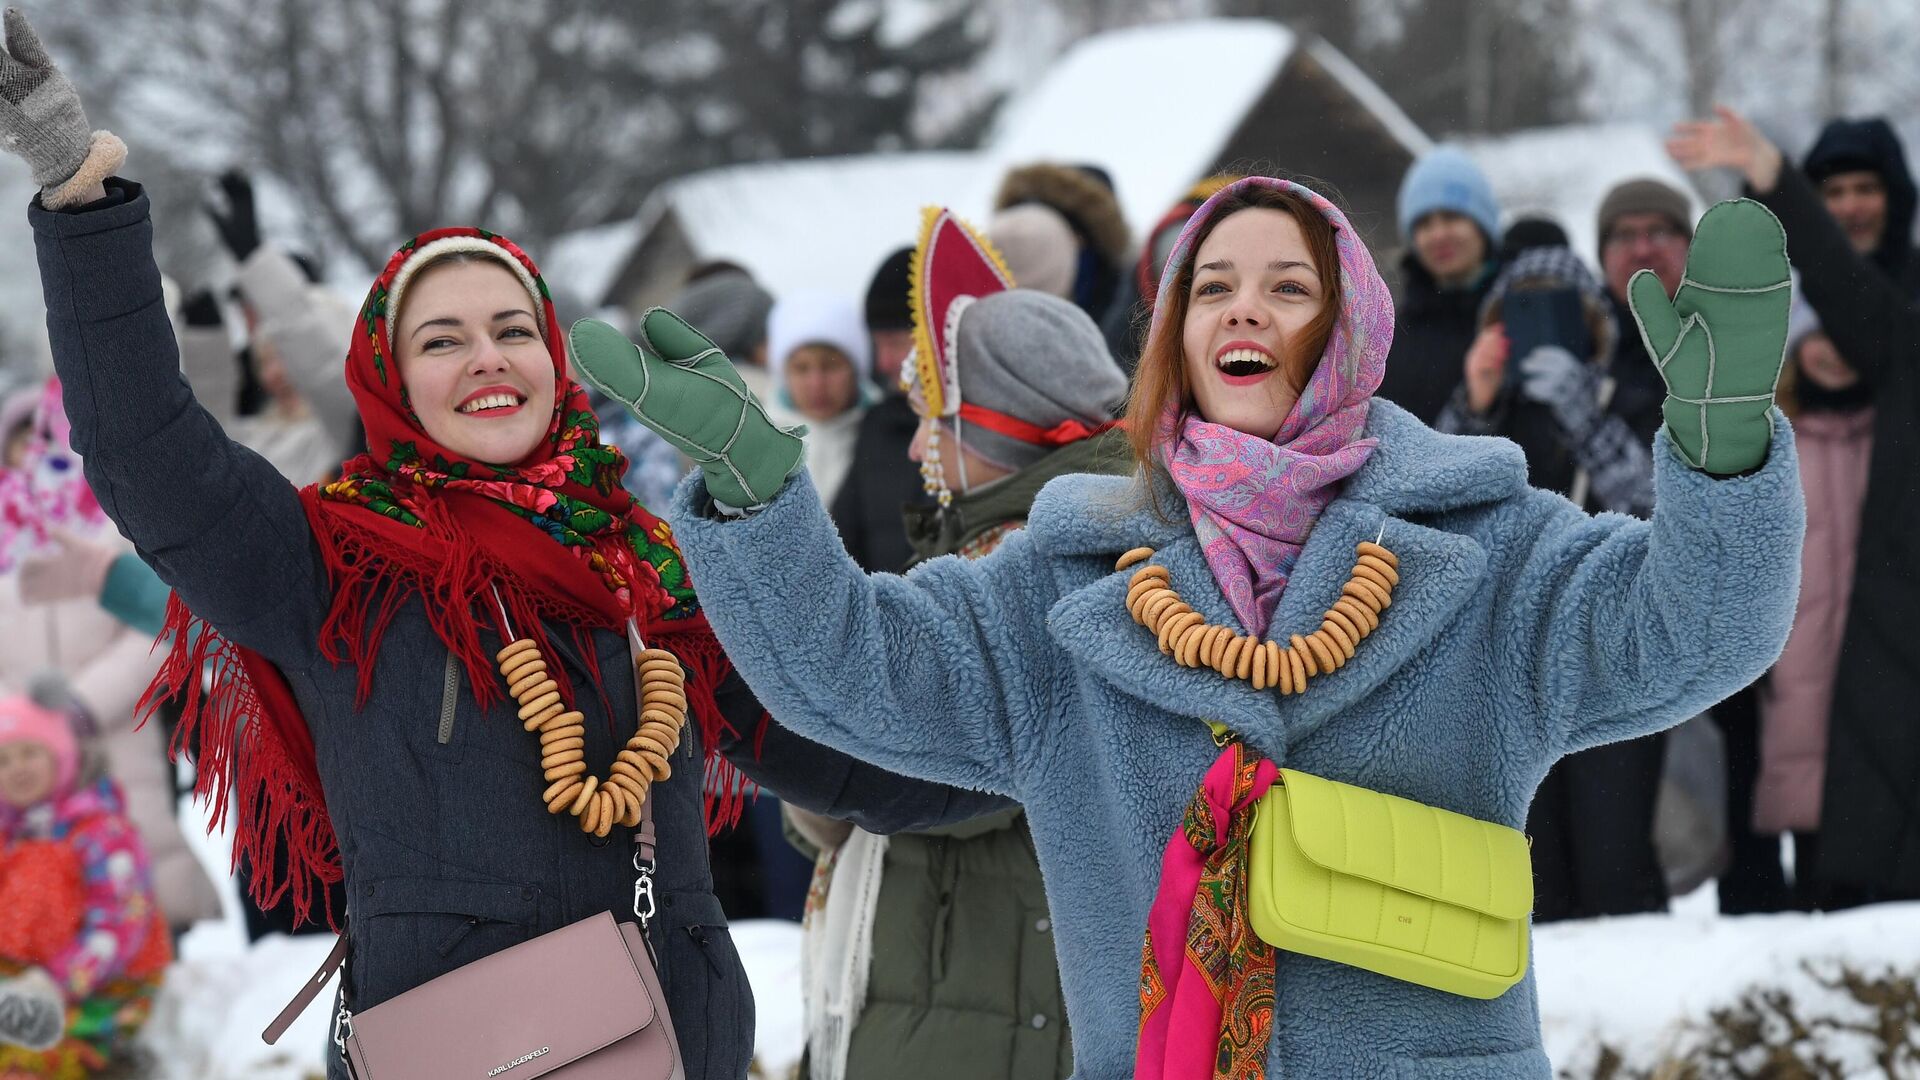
{"points": [[1039, 359], [730, 308]]}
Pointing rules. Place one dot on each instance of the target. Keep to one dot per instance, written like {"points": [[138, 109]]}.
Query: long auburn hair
{"points": [[1160, 380]]}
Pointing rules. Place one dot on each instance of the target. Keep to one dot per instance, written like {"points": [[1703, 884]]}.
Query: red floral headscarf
{"points": [[554, 534]]}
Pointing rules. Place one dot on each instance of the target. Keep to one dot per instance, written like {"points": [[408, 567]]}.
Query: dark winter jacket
{"points": [[448, 854], [1432, 330], [1638, 389], [1591, 820], [1870, 817], [880, 483]]}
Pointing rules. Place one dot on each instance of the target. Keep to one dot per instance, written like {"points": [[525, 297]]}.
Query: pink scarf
{"points": [[1201, 955], [1254, 501]]}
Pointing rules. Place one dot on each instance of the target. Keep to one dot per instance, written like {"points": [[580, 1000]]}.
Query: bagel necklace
{"points": [[598, 804], [1185, 635]]}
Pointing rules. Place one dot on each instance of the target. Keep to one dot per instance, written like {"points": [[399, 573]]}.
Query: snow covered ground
{"points": [[1646, 984], [1643, 985]]}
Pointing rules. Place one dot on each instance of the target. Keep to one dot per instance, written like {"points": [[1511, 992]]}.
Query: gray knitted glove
{"points": [[1566, 385], [43, 122], [32, 1014]]}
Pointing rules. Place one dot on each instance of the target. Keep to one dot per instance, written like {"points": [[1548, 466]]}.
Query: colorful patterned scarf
{"points": [[555, 534], [1254, 501], [46, 491], [1206, 979]]}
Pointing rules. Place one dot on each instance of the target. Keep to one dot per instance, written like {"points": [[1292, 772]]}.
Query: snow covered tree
{"points": [[1481, 65], [758, 79], [383, 118]]}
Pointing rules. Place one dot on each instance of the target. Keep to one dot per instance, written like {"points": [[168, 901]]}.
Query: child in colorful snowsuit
{"points": [[82, 943]]}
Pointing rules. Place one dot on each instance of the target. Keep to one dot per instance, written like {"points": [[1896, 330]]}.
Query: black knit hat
{"points": [[887, 304], [1531, 232]]}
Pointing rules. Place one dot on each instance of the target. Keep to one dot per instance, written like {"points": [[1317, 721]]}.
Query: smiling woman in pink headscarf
{"points": [[1299, 570]]}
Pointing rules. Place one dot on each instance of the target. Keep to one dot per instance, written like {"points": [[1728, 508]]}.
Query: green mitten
{"points": [[1721, 342], [681, 385]]}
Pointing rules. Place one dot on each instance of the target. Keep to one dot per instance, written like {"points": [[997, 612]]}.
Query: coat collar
{"points": [[934, 530], [1414, 472]]}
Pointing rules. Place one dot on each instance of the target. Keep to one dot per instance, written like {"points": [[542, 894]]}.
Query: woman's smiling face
{"points": [[475, 367], [1255, 289]]}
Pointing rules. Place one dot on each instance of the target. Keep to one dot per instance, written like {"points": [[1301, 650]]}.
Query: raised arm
{"points": [[912, 674], [206, 357], [1870, 320], [1630, 627], [1872, 323], [214, 519], [309, 327], [825, 781]]}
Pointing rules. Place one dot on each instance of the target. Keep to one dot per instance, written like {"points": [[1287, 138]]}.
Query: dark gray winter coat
{"points": [[448, 854]]}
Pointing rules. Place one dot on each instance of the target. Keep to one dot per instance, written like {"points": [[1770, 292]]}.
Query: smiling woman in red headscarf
{"points": [[370, 714]]}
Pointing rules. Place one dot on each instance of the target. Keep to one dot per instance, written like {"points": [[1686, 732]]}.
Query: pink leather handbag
{"points": [[581, 1003]]}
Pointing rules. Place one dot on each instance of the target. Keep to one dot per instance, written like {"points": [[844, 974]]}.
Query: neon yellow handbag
{"points": [[1409, 891]]}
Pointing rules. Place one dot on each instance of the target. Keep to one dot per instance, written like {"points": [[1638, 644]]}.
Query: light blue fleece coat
{"points": [[1522, 630]]}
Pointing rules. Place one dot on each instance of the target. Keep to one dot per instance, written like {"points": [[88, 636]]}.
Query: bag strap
{"points": [[644, 906], [308, 992], [645, 841]]}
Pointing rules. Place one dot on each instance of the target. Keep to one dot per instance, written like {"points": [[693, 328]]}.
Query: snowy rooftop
{"points": [[1563, 172], [584, 262], [1114, 100], [821, 223], [826, 222]]}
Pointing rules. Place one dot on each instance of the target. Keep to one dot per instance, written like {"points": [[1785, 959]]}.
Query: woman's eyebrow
{"points": [[444, 320], [510, 313], [1219, 264], [1288, 264]]}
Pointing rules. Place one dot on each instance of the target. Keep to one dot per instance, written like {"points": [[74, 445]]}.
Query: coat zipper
{"points": [[449, 698]]}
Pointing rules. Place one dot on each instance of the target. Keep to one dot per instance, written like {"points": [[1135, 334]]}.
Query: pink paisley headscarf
{"points": [[1254, 501]]}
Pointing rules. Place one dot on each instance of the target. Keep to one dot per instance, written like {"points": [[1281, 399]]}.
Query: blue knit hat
{"points": [[1447, 179]]}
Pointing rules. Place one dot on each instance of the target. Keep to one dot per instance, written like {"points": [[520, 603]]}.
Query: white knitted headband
{"points": [[432, 252]]}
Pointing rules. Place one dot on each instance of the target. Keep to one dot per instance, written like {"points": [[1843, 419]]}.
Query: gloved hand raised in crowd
{"points": [[43, 123], [201, 308], [1568, 386], [1721, 343], [681, 385], [32, 1013], [74, 569], [239, 224]]}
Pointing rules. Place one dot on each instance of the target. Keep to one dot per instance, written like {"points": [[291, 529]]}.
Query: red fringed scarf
{"points": [[555, 534]]}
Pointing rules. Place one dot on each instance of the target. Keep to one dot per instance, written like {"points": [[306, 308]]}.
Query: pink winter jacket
{"points": [[1795, 701]]}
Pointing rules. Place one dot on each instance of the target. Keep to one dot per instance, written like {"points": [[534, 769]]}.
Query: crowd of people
{"points": [[912, 549]]}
